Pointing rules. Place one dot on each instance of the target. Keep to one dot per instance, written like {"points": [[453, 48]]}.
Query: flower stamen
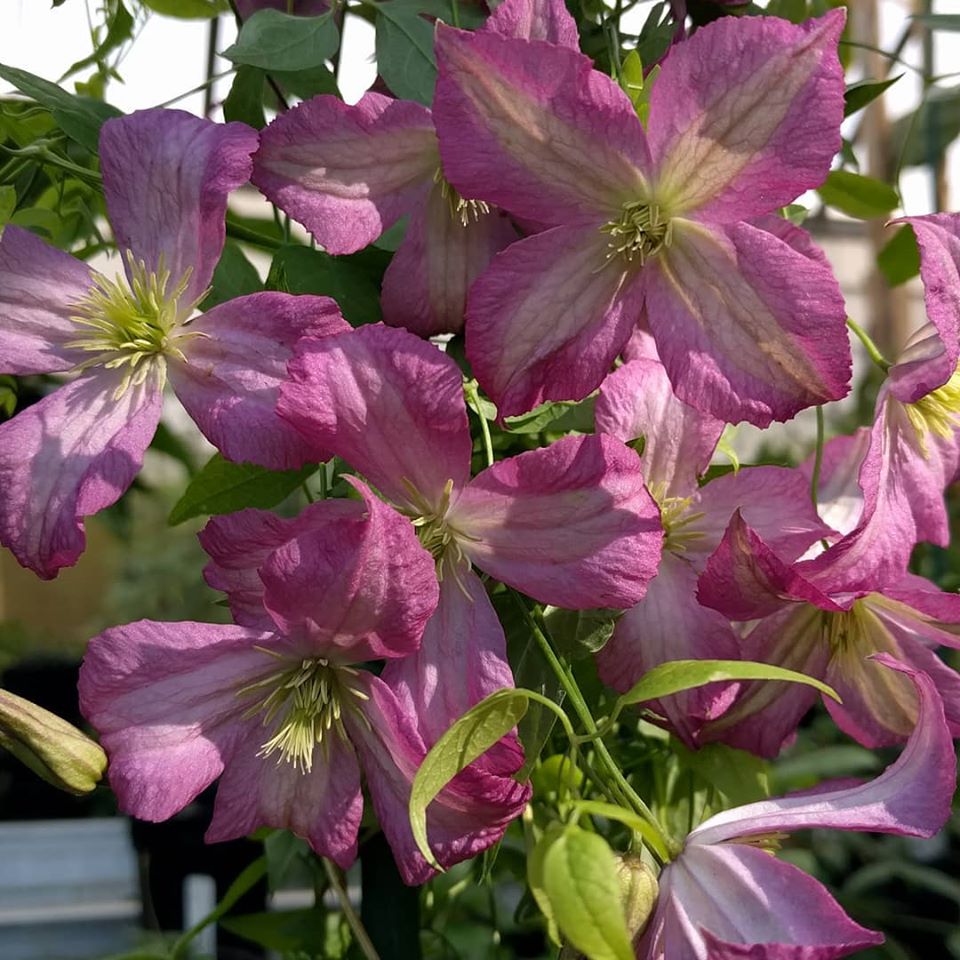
{"points": [[462, 211], [639, 233]]}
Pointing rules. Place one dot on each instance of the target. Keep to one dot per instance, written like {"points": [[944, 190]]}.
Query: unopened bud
{"points": [[52, 748], [638, 891]]}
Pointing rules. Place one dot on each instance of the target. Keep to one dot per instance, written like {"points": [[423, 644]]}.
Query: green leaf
{"points": [[631, 77], [79, 117], [675, 676], [282, 849], [224, 487], [245, 100], [188, 9], [119, 30], [581, 883], [271, 39], [8, 394], [284, 930], [857, 195], [469, 737], [538, 417], [858, 95], [307, 83], [8, 203], [923, 136], [580, 633], [940, 21], [535, 878], [899, 260], [234, 276], [405, 57], [739, 776]]}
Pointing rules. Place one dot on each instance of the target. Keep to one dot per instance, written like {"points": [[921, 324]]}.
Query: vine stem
{"points": [[356, 925], [872, 350], [818, 458], [473, 394]]}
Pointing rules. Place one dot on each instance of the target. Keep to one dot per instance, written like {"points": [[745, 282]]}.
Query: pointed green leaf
{"points": [[857, 195], [274, 40], [858, 95], [245, 100], [899, 260], [188, 9], [535, 878], [405, 57]]}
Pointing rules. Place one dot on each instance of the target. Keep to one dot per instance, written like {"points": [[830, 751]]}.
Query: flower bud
{"points": [[52, 748], [638, 891]]}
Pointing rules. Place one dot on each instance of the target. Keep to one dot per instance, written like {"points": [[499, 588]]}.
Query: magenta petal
{"points": [[911, 797], [163, 697], [534, 129], [353, 591], [637, 401], [323, 805], [347, 172], [166, 177], [240, 543], [67, 457], [548, 318], [425, 286], [39, 287], [745, 115], [534, 20], [747, 328], [386, 402], [570, 524], [469, 815], [230, 379]]}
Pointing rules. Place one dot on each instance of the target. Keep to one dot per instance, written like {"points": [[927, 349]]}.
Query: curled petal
{"points": [[534, 20]]}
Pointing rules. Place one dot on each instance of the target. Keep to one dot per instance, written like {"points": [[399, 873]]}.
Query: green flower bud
{"points": [[638, 891]]}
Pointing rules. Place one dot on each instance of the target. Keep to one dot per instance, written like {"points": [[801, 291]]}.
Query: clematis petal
{"points": [[839, 497], [470, 814], [166, 177], [163, 697], [240, 543], [323, 805], [548, 317], [531, 127], [570, 524], [891, 803], [747, 328], [425, 286], [347, 173], [352, 591], [534, 20], [386, 402], [39, 285], [66, 457], [745, 115], [931, 359], [678, 440], [230, 375]]}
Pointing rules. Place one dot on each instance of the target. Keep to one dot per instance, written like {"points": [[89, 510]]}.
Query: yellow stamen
{"points": [[639, 233], [938, 412], [462, 211]]}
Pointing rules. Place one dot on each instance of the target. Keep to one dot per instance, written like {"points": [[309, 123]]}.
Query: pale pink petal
{"points": [[640, 346], [678, 440], [323, 805], [534, 129], [469, 815], [163, 697], [549, 316], [347, 172], [166, 178], [911, 797], [389, 404], [240, 543], [353, 591], [229, 380], [425, 286], [39, 287], [66, 457], [747, 328], [745, 116], [792, 235], [839, 497], [570, 524], [534, 20]]}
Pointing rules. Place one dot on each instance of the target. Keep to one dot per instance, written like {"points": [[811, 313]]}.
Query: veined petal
{"points": [[425, 286], [549, 316], [39, 286], [66, 457], [570, 524], [747, 328], [534, 20], [911, 797], [387, 402], [230, 375], [352, 591], [745, 116], [637, 400], [166, 177], [347, 173], [531, 127]]}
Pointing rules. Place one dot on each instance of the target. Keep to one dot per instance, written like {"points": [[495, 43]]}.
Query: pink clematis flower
{"points": [[570, 524], [725, 897], [744, 116], [668, 623], [283, 711], [166, 179], [348, 173]]}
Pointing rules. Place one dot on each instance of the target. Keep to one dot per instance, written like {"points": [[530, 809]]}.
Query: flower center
{"points": [[848, 633], [303, 703], [133, 325], [676, 518], [462, 211], [938, 412], [640, 232]]}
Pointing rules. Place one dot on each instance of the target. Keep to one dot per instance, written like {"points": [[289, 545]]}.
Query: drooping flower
{"points": [[744, 116], [166, 177], [726, 896], [284, 710], [678, 441]]}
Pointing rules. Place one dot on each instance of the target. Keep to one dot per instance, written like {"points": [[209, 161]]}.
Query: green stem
{"points": [[473, 394], [356, 926], [875, 355], [239, 232], [818, 459]]}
